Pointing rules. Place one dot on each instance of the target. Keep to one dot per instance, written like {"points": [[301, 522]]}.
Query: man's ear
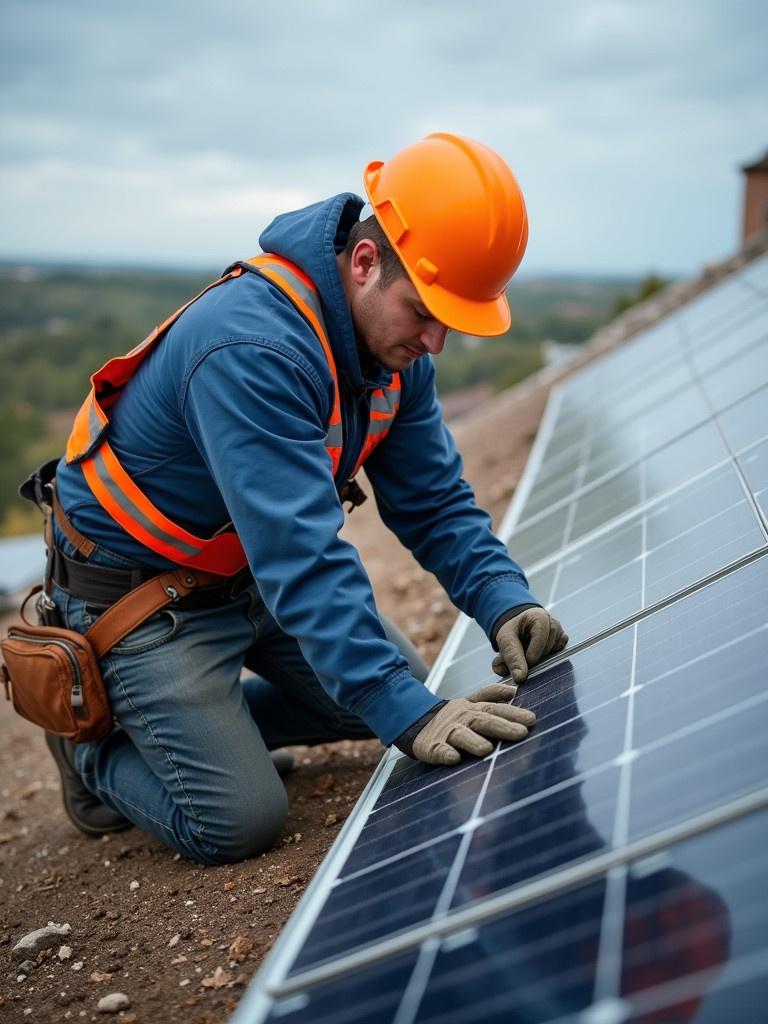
{"points": [[363, 261]]}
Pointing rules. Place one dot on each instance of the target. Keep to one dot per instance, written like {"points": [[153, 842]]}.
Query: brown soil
{"points": [[185, 940]]}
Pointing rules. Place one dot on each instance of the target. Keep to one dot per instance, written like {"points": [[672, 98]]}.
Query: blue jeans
{"points": [[188, 758]]}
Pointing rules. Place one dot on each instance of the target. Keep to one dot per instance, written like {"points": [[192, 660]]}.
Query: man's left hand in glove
{"points": [[524, 638]]}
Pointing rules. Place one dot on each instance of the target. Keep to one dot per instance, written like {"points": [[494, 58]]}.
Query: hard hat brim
{"points": [[483, 319]]}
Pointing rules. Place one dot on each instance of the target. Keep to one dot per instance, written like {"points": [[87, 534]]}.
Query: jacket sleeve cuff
{"points": [[405, 741], [498, 596], [396, 705], [511, 613]]}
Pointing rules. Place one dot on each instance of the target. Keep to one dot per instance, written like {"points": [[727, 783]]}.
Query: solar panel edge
{"points": [[533, 462]]}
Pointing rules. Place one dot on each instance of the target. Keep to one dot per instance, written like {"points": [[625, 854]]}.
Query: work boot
{"points": [[86, 812], [283, 762]]}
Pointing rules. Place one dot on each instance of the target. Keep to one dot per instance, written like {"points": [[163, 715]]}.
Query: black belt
{"points": [[102, 586]]}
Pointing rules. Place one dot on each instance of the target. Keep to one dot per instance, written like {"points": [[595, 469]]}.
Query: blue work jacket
{"points": [[227, 418]]}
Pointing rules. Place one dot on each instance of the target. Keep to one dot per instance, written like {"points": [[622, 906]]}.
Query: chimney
{"points": [[755, 198]]}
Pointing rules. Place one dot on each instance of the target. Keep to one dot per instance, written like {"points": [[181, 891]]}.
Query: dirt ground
{"points": [[179, 940]]}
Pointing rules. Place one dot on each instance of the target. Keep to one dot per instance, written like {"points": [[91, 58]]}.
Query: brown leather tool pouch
{"points": [[53, 679], [52, 674]]}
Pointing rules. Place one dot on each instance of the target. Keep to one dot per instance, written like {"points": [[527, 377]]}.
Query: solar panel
{"points": [[611, 867]]}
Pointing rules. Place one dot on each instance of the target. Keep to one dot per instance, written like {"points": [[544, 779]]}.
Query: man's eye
{"points": [[423, 316]]}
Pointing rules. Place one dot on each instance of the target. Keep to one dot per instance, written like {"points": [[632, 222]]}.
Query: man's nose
{"points": [[433, 337]]}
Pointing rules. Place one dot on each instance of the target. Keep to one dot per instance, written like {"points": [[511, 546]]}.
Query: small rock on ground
{"points": [[114, 1002], [41, 938]]}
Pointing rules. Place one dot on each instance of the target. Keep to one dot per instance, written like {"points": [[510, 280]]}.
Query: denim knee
{"points": [[247, 827]]}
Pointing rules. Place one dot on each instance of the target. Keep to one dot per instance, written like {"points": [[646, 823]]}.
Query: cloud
{"points": [[162, 115]]}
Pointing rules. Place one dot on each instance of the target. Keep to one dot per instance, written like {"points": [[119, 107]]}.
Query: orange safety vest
{"points": [[121, 497]]}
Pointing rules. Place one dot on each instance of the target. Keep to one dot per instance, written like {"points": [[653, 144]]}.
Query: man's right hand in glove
{"points": [[468, 725]]}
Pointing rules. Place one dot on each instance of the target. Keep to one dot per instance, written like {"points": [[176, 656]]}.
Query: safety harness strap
{"points": [[124, 500]]}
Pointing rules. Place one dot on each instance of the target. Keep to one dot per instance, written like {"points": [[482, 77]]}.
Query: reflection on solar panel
{"points": [[611, 867]]}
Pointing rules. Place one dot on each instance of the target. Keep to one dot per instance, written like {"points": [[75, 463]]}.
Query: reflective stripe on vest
{"points": [[121, 497]]}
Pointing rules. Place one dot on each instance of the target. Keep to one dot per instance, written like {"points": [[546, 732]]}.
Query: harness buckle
{"points": [[354, 494]]}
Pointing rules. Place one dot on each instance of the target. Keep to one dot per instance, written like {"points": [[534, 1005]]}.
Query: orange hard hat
{"points": [[455, 215]]}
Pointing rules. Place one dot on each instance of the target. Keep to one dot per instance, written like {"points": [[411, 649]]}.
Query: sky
{"points": [[171, 133]]}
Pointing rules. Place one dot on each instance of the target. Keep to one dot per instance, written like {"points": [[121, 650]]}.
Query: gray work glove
{"points": [[525, 640], [464, 723]]}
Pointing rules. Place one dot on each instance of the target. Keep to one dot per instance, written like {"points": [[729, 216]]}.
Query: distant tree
{"points": [[647, 287]]}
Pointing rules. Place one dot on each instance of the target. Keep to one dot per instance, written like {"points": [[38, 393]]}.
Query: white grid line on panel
{"points": [[609, 957]]}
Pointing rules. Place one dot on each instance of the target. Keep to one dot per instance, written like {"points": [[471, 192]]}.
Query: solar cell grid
{"points": [[597, 506], [692, 943], [532, 808]]}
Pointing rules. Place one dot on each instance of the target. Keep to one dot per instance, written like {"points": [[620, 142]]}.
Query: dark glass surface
{"points": [[706, 687], [532, 966], [698, 661], [583, 682], [739, 1001], [371, 995], [696, 928], [539, 836], [694, 942], [433, 811], [378, 903], [699, 769], [555, 753]]}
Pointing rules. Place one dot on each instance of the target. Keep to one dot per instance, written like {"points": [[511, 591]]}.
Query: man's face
{"points": [[393, 324]]}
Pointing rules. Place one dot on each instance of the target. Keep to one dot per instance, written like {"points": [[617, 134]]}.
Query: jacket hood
{"points": [[312, 238]]}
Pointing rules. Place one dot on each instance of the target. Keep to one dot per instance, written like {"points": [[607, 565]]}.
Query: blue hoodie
{"points": [[226, 419]]}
